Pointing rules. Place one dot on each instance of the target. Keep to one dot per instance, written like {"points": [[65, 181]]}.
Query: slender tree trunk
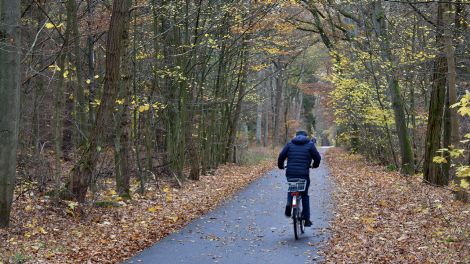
{"points": [[266, 119], [84, 168], [40, 84], [91, 64], [9, 102], [406, 150], [80, 115], [259, 118], [234, 120], [278, 103], [135, 116]]}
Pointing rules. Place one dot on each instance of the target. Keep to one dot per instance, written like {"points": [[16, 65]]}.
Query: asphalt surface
{"points": [[250, 228]]}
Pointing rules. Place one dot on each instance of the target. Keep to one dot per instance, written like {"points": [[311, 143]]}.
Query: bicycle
{"points": [[296, 186]]}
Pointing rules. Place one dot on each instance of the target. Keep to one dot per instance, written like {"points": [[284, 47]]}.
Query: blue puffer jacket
{"points": [[299, 152]]}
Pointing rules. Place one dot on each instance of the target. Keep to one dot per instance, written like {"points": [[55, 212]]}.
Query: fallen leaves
{"points": [[383, 217], [43, 232]]}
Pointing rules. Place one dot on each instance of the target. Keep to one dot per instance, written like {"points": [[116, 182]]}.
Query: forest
{"points": [[105, 102]]}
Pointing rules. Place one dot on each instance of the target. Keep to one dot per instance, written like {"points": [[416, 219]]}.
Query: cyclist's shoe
{"points": [[307, 223], [288, 211]]}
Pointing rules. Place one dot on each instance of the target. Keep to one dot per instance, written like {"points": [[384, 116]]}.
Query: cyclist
{"points": [[299, 152]]}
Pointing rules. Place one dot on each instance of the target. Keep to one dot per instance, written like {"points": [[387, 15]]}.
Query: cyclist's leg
{"points": [[306, 202]]}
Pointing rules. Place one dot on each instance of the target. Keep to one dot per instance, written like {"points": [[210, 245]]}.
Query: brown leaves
{"points": [[383, 217], [42, 232]]}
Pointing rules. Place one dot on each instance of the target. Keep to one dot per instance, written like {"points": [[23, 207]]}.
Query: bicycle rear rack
{"points": [[297, 185]]}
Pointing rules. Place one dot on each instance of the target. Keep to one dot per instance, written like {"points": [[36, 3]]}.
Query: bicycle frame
{"points": [[296, 187]]}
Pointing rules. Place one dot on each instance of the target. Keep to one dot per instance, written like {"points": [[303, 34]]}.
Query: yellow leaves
{"points": [[66, 73], [28, 208], [368, 220], [141, 56], [463, 171], [154, 209], [259, 67], [172, 218], [120, 101], [463, 111], [35, 248], [71, 208], [455, 153], [42, 230], [169, 198], [273, 51], [168, 195], [96, 102], [383, 203], [144, 108], [439, 160], [464, 183], [455, 105], [166, 189], [54, 67], [88, 81], [464, 104], [49, 25], [158, 105], [35, 231]]}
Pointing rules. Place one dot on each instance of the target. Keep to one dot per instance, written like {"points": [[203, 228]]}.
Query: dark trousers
{"points": [[305, 200]]}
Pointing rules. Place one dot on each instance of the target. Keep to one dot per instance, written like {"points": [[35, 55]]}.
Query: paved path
{"points": [[250, 228]]}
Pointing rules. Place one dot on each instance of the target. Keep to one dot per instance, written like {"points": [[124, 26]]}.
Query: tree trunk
{"points": [[84, 168], [266, 118], [91, 64], [451, 72], [234, 120], [278, 103], [406, 150], [123, 143], [80, 115], [9, 102], [432, 171], [259, 117]]}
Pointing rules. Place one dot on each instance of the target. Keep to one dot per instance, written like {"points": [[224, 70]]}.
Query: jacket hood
{"points": [[300, 140]]}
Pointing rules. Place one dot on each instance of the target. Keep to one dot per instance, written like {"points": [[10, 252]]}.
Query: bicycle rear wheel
{"points": [[301, 219], [296, 222]]}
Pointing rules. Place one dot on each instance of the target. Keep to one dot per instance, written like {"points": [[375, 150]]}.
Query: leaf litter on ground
{"points": [[384, 217], [44, 232]]}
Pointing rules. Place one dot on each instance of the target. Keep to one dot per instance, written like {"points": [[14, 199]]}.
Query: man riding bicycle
{"points": [[299, 152]]}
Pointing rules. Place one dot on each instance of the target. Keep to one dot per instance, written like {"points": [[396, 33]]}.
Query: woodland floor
{"points": [[383, 217], [378, 217], [42, 232]]}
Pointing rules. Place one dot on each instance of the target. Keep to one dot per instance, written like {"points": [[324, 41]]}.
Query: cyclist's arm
{"points": [[315, 156], [282, 157]]}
